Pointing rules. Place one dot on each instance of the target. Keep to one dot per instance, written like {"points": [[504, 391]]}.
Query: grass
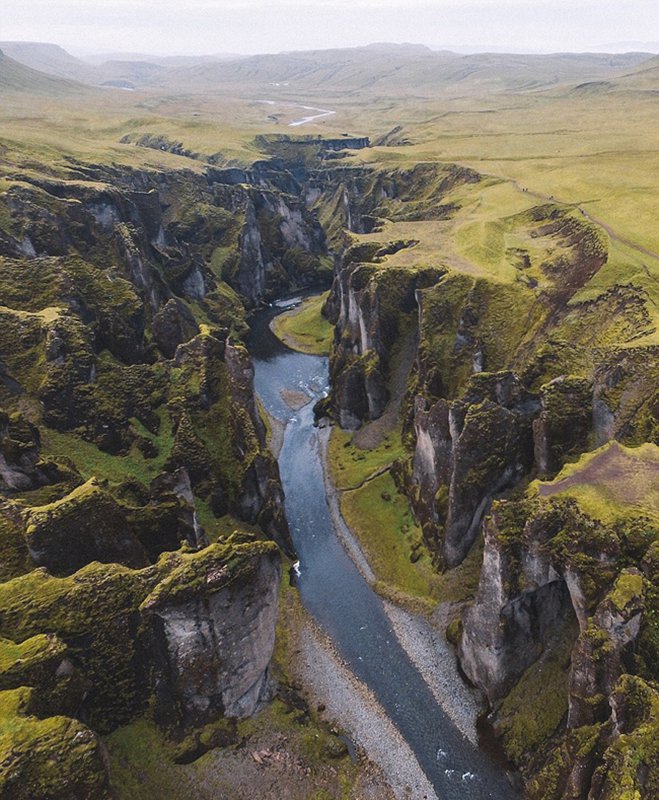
{"points": [[383, 522], [381, 519], [350, 465], [217, 528], [611, 482], [304, 328], [141, 757], [92, 462], [534, 708]]}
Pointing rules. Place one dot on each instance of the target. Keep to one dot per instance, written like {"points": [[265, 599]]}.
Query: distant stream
{"points": [[337, 596]]}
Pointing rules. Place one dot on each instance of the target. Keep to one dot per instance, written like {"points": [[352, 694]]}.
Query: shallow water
{"points": [[342, 602]]}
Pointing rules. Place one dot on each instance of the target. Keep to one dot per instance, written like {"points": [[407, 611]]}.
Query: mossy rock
{"points": [[56, 758], [86, 525], [97, 613]]}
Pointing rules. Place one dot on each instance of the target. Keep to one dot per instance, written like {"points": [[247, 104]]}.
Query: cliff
{"points": [[130, 444], [130, 448], [531, 350]]}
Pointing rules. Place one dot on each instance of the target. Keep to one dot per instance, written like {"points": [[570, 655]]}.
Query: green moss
{"points": [[305, 328], [92, 462], [14, 558], [190, 573], [381, 518], [18, 661], [96, 612], [535, 707], [549, 782], [611, 483], [46, 758], [627, 587], [635, 752], [350, 465]]}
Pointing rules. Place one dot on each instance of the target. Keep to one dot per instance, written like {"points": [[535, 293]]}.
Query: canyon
{"points": [[491, 382]]}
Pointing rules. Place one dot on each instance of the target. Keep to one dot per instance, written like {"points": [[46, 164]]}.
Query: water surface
{"points": [[338, 597]]}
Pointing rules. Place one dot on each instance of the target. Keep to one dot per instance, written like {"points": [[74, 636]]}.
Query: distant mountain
{"points": [[98, 59], [407, 69], [54, 60], [627, 47], [385, 68], [645, 77], [16, 77], [49, 58]]}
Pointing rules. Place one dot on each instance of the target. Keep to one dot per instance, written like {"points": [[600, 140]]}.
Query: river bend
{"points": [[339, 598]]}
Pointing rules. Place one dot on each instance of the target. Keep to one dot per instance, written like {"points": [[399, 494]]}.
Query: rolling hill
{"points": [[18, 78]]}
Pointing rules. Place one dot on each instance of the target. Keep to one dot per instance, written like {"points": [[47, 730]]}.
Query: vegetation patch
{"points": [[305, 328], [350, 465], [535, 707], [610, 483], [382, 520]]}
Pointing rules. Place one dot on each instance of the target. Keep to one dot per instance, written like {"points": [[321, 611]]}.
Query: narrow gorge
{"points": [[486, 417]]}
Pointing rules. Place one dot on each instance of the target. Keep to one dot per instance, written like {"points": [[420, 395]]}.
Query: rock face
{"points": [[468, 451], [172, 325], [195, 631], [544, 564], [87, 525], [55, 758], [124, 294], [523, 594], [21, 467], [370, 310], [605, 650], [215, 646], [512, 380]]}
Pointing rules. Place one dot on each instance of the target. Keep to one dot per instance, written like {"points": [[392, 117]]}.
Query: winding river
{"points": [[339, 598]]}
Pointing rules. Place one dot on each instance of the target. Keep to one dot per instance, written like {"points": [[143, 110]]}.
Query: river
{"points": [[339, 598]]}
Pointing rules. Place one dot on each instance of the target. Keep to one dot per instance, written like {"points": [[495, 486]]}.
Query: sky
{"points": [[257, 26]]}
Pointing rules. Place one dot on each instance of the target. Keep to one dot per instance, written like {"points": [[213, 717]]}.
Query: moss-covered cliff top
{"points": [[38, 602], [17, 657], [47, 758], [195, 574], [611, 482]]}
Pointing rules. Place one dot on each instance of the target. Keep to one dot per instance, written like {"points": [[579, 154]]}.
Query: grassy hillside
{"points": [[16, 78]]}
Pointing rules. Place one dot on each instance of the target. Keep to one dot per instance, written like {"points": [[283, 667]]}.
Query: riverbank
{"points": [[412, 619], [370, 668], [424, 643], [388, 768], [303, 328]]}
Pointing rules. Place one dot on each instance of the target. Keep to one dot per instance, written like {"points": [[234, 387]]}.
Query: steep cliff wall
{"points": [[130, 447], [136, 636], [529, 354]]}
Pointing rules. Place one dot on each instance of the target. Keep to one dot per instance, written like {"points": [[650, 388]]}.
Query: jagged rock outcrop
{"points": [[172, 325], [214, 640], [467, 451], [563, 425], [522, 595], [630, 763], [54, 758], [84, 526], [21, 465], [119, 358], [370, 309], [44, 662], [543, 564], [141, 633], [605, 650]]}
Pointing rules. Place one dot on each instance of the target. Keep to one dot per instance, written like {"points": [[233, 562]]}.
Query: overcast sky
{"points": [[257, 26]]}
